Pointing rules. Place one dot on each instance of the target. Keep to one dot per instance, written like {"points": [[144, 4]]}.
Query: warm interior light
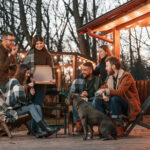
{"points": [[125, 18], [138, 13], [55, 57], [111, 47], [22, 55]]}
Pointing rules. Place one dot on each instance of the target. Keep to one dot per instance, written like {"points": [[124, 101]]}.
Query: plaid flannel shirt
{"points": [[79, 84], [29, 60], [15, 94]]}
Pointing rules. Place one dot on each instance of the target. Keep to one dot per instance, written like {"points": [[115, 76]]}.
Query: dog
{"points": [[90, 117]]}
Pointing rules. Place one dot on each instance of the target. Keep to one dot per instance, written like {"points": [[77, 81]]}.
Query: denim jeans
{"points": [[38, 99], [39, 96], [32, 109], [75, 112], [116, 106]]}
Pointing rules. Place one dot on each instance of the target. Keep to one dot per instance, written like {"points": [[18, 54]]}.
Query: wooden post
{"points": [[74, 66], [59, 78], [116, 43]]}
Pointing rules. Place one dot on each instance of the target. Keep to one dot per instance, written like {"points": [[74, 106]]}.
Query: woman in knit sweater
{"points": [[38, 55]]}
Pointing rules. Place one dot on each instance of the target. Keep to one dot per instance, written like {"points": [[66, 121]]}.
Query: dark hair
{"points": [[88, 64], [35, 39], [6, 34], [12, 70], [106, 49], [114, 61], [21, 73]]}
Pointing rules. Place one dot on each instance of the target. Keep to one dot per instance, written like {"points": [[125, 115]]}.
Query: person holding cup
{"points": [[8, 52]]}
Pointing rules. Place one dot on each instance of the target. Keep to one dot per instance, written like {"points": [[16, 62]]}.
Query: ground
{"points": [[139, 139]]}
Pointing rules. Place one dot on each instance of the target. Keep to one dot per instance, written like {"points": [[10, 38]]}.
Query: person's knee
{"points": [[114, 99], [96, 102], [38, 107]]}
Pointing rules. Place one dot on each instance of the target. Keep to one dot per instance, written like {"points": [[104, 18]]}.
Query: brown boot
{"points": [[119, 128], [120, 131]]}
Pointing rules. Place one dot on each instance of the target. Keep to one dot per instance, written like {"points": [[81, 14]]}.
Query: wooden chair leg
{"points": [[6, 129]]}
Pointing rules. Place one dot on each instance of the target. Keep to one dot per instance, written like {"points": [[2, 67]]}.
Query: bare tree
{"points": [[39, 16], [24, 21]]}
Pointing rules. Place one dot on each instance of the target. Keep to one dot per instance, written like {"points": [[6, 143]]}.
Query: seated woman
{"points": [[16, 98]]}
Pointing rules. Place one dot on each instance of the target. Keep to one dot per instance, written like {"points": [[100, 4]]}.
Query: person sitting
{"points": [[16, 98], [119, 96], [86, 85]]}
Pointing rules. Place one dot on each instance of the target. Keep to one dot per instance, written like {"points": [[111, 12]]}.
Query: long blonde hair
{"points": [[106, 49]]}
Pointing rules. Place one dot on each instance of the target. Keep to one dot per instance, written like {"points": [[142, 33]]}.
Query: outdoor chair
{"points": [[143, 87], [7, 127], [138, 120], [56, 104]]}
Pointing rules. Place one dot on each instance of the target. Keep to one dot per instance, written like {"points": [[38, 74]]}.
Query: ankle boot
{"points": [[51, 128], [46, 128], [40, 133]]}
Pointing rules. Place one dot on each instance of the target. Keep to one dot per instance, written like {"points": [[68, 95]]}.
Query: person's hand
{"points": [[32, 91], [84, 94], [101, 91], [31, 84], [14, 50], [105, 98]]}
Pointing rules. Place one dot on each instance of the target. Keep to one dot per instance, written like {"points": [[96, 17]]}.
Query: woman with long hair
{"points": [[100, 69], [103, 53], [38, 55], [16, 98]]}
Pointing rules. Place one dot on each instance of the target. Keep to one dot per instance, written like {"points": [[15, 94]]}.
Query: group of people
{"points": [[17, 86], [108, 88]]}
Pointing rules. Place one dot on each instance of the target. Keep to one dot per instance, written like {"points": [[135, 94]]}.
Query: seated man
{"points": [[119, 95], [86, 85]]}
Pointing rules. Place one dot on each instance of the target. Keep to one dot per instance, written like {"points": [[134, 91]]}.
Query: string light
{"points": [[55, 57], [84, 61]]}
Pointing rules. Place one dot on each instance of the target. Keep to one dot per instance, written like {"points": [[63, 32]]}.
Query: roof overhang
{"points": [[128, 15]]}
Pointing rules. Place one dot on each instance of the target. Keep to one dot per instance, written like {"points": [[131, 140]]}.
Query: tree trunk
{"points": [[24, 21], [83, 43], [39, 17], [131, 52], [94, 50]]}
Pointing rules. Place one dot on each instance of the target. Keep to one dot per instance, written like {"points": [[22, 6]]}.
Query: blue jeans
{"points": [[116, 106], [75, 112], [32, 109], [38, 99]]}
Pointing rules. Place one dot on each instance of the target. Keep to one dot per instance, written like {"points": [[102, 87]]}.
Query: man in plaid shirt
{"points": [[86, 85]]}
